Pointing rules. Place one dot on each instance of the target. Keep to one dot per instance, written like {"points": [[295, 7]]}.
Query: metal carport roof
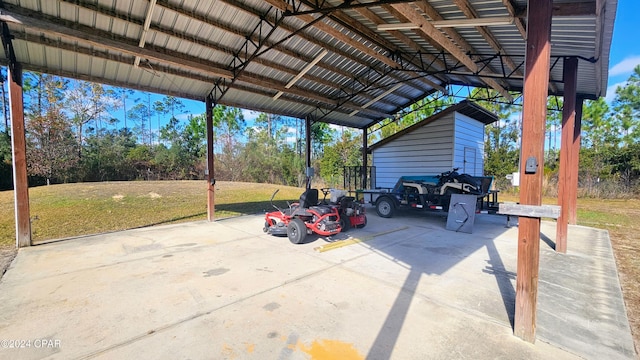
{"points": [[251, 53]]}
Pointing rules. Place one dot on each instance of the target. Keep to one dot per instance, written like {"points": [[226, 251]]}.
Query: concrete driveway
{"points": [[405, 289]]}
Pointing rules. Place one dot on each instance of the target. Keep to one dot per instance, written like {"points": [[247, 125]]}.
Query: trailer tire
{"points": [[296, 231], [385, 207]]}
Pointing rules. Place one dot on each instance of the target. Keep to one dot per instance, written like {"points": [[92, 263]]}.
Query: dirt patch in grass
{"points": [[7, 254]]}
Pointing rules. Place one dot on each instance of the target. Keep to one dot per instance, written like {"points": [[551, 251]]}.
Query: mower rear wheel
{"points": [[363, 224], [296, 231], [345, 223]]}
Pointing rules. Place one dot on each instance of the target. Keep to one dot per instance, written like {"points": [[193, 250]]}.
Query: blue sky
{"points": [[625, 47], [624, 56]]}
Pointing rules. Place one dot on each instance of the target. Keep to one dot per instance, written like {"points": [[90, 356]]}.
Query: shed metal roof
{"points": [[245, 52], [467, 108]]}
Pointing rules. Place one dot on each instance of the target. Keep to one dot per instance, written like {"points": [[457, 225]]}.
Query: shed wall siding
{"points": [[469, 134], [427, 150]]}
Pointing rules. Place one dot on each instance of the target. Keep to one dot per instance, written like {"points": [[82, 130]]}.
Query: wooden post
{"points": [[211, 182], [307, 137], [565, 174], [307, 140], [19, 148], [575, 164], [534, 111], [365, 164]]}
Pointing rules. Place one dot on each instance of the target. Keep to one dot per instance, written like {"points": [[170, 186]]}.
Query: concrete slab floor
{"points": [[225, 290]]}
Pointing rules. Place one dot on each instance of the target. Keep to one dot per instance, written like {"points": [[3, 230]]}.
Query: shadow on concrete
{"points": [[503, 278], [435, 252], [549, 242]]}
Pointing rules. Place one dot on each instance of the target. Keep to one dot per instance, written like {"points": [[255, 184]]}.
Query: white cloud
{"points": [[611, 91], [626, 66], [249, 115]]}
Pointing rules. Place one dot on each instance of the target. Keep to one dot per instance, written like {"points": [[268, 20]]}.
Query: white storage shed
{"points": [[452, 138]]}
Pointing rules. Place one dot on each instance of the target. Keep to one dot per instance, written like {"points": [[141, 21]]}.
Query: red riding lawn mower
{"points": [[352, 213], [308, 216]]}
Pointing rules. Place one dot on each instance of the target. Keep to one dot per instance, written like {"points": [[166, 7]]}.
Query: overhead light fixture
{"points": [[372, 101], [398, 26], [488, 21], [301, 73]]}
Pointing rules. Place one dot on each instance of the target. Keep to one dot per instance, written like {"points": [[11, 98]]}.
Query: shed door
{"points": [[469, 161]]}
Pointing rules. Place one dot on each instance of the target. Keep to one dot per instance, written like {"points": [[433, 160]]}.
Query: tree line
{"points": [[72, 136]]}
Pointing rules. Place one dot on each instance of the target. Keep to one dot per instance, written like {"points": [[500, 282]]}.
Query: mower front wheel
{"points": [[296, 231]]}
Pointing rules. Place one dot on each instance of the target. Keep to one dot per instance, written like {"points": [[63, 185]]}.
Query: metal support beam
{"points": [[19, 148], [575, 162], [565, 174], [536, 83], [211, 180]]}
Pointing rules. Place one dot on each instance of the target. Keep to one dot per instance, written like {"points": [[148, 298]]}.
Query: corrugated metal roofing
{"points": [[193, 47]]}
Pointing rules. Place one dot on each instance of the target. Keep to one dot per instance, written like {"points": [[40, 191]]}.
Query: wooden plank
{"points": [[211, 188], [565, 173], [536, 211], [537, 64], [19, 148], [575, 163]]}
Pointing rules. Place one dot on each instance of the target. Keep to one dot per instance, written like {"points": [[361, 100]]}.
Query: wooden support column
{"points": [[536, 82], [307, 137], [211, 181], [575, 163], [565, 174], [365, 173], [19, 148]]}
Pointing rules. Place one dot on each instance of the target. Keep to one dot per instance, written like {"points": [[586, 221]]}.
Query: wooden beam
{"points": [[468, 10], [565, 173], [330, 30], [19, 152], [534, 110], [373, 35], [427, 28], [462, 43], [105, 40], [511, 9], [575, 163], [568, 9], [211, 182], [280, 47]]}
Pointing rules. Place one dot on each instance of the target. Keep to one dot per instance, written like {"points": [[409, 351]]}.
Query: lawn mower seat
{"points": [[309, 198]]}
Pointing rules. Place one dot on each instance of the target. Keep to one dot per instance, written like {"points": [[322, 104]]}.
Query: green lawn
{"points": [[60, 211]]}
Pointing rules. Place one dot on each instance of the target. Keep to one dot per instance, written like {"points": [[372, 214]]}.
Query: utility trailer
{"points": [[431, 192]]}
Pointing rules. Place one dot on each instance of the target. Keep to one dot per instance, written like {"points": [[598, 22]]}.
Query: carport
{"points": [[346, 63]]}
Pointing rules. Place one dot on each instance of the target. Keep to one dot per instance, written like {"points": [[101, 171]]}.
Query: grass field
{"points": [[68, 210]]}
